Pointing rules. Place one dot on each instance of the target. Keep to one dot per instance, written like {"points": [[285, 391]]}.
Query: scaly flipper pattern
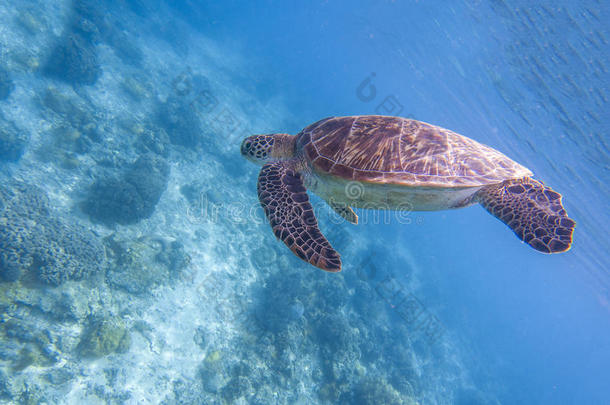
{"points": [[533, 211], [283, 197]]}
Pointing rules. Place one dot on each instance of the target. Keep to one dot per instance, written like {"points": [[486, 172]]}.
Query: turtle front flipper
{"points": [[286, 204], [533, 211]]}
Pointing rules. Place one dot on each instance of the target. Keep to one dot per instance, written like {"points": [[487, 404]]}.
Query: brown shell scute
{"points": [[397, 150]]}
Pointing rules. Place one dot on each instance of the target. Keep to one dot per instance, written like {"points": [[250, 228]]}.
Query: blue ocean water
{"points": [[136, 264]]}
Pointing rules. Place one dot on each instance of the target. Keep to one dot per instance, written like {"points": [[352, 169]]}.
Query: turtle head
{"points": [[262, 148]]}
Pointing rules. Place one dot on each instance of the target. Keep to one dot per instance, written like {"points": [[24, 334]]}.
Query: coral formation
{"points": [[372, 391], [12, 141], [103, 337], [75, 130], [180, 115], [6, 83], [74, 60], [33, 240], [131, 197], [139, 266]]}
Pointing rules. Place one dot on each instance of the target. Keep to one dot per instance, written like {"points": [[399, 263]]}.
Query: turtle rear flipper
{"points": [[344, 210], [533, 211], [286, 204]]}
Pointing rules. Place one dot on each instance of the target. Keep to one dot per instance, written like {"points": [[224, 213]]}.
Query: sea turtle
{"points": [[382, 162]]}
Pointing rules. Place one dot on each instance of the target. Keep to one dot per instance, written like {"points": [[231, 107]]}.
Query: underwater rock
{"points": [[180, 115], [27, 343], [18, 330], [199, 337], [131, 197], [103, 337], [137, 86], [12, 141], [73, 60], [155, 141], [31, 239], [365, 300], [282, 309], [5, 386], [86, 29], [236, 387], [111, 395], [140, 266], [31, 394], [67, 140], [59, 376], [13, 261], [71, 109], [334, 293], [184, 392], [180, 120], [75, 128], [262, 395], [125, 49], [93, 13], [211, 372], [113, 200], [331, 392], [32, 355], [173, 257], [334, 331], [56, 305], [372, 391], [6, 84], [30, 20], [9, 350]]}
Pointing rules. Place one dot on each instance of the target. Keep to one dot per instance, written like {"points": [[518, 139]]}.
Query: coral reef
{"points": [[73, 60], [33, 240], [6, 83], [154, 141], [131, 197], [26, 343], [103, 337], [137, 86], [212, 372], [75, 130], [12, 141], [180, 115], [372, 391], [125, 49], [139, 266], [181, 122]]}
